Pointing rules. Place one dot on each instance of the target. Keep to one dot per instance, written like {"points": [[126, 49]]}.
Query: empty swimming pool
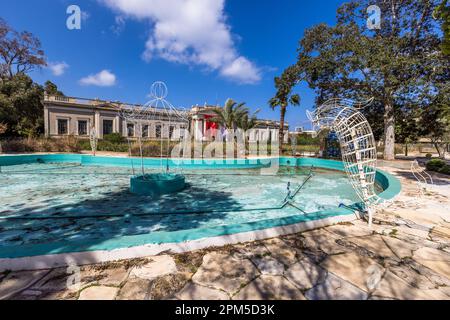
{"points": [[52, 204]]}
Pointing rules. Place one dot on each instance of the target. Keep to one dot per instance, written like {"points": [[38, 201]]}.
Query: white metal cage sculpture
{"points": [[93, 140], [357, 144], [162, 114], [158, 108]]}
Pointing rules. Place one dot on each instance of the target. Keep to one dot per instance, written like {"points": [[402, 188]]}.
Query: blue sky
{"points": [[205, 50]]}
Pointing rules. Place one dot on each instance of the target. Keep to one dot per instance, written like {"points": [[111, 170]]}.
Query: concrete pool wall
{"points": [[37, 256]]}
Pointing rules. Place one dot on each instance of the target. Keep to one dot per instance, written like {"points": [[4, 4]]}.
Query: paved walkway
{"points": [[406, 255]]}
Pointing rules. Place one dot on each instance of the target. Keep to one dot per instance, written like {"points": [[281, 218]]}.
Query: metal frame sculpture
{"points": [[294, 145], [357, 144], [158, 109], [93, 140], [162, 110], [424, 179]]}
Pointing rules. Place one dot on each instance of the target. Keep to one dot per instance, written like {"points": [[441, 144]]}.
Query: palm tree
{"points": [[284, 97], [228, 116], [247, 121]]}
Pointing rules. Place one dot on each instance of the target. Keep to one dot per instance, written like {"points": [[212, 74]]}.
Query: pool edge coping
{"points": [[51, 261]]}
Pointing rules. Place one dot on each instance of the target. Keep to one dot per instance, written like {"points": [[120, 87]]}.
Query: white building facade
{"points": [[66, 116]]}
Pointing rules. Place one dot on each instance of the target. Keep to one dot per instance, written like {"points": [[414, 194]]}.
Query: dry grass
{"points": [[21, 145]]}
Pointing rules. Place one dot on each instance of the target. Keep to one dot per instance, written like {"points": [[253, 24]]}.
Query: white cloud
{"points": [[119, 25], [242, 70], [58, 68], [85, 15], [102, 79], [192, 32]]}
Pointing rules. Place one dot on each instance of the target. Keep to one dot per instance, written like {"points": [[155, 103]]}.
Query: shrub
{"points": [[84, 144], [110, 146], [66, 144], [435, 164], [428, 156], [115, 138], [445, 169]]}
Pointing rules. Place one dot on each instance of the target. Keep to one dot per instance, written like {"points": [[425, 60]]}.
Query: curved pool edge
{"points": [[49, 261], [53, 254]]}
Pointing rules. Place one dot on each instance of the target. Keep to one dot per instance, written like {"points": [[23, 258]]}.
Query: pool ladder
{"points": [[290, 196]]}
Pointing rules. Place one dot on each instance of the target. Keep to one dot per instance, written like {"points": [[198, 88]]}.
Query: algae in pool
{"points": [[65, 202]]}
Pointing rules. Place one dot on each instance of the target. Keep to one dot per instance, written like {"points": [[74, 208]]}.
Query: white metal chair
{"points": [[424, 179]]}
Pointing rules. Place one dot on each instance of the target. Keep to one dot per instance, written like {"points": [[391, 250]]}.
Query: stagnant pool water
{"points": [[53, 202]]}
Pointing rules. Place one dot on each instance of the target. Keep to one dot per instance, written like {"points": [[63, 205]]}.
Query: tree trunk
{"points": [[440, 149], [389, 132], [281, 130]]}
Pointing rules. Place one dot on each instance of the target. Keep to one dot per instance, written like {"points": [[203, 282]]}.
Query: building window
{"points": [[82, 128], [107, 127], [158, 130], [171, 129], [182, 128], [63, 126], [145, 131], [130, 130]]}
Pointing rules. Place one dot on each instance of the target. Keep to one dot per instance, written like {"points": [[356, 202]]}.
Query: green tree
{"points": [[394, 64], [52, 89], [435, 121], [407, 128], [229, 116], [247, 121], [3, 128], [20, 52], [284, 97], [20, 106], [442, 13]]}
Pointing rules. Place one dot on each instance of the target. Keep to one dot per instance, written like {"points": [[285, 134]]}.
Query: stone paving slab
{"points": [[249, 251], [360, 271], [413, 231], [193, 291], [134, 289], [375, 244], [431, 254], [281, 251], [441, 267], [392, 286], [412, 277], [323, 240], [114, 276], [220, 271], [401, 249], [435, 277], [268, 265], [269, 288], [98, 293], [18, 281], [56, 280], [166, 286], [335, 288], [347, 231], [305, 274], [156, 267]]}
